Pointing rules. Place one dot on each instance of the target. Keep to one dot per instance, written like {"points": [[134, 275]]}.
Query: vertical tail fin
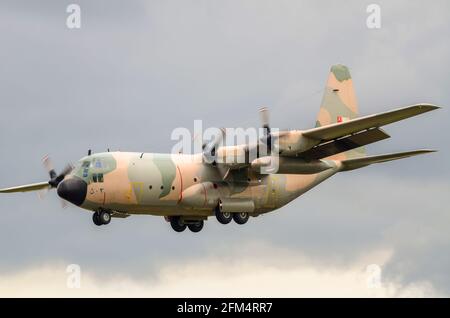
{"points": [[339, 103]]}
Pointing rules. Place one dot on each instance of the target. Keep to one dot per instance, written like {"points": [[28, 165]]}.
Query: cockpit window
{"points": [[85, 165], [99, 163], [97, 177]]}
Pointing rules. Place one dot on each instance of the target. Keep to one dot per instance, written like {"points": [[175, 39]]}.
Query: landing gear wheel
{"points": [[96, 219], [104, 217], [223, 217], [196, 227], [177, 224], [240, 218]]}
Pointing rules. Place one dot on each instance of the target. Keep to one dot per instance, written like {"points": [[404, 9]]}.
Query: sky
{"points": [[135, 71]]}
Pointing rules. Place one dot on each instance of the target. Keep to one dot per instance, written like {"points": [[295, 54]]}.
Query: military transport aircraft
{"points": [[187, 192]]}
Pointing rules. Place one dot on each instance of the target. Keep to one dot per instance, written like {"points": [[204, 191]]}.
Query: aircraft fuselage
{"points": [[180, 184]]}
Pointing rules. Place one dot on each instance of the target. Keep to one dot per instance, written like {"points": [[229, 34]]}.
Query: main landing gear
{"points": [[179, 225], [241, 217], [226, 217], [101, 217], [223, 217]]}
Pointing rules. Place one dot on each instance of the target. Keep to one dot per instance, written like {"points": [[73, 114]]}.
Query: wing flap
{"points": [[333, 131], [352, 164], [346, 143], [26, 188]]}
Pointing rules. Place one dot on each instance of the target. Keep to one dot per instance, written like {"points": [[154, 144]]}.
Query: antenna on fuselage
{"points": [[89, 152]]}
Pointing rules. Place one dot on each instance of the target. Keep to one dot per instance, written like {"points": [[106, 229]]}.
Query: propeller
{"points": [[210, 148], [55, 178]]}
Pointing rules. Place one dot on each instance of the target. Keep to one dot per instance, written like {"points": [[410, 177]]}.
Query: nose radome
{"points": [[73, 190]]}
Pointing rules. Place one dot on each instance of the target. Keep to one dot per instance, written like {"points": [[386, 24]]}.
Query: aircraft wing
{"points": [[351, 164], [337, 130], [349, 142], [26, 188]]}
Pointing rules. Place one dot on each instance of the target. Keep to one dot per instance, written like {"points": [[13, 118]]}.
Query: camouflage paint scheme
{"points": [[339, 101], [187, 188], [136, 183], [146, 183]]}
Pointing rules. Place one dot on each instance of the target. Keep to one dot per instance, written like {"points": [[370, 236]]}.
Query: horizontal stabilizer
{"points": [[333, 131], [356, 163], [27, 187]]}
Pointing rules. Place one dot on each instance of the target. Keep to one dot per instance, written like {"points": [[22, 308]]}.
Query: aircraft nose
{"points": [[73, 190]]}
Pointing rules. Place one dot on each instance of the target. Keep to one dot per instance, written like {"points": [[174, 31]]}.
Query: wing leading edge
{"points": [[337, 130], [27, 187]]}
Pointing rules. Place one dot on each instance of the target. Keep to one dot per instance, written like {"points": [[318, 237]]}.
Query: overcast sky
{"points": [[137, 70]]}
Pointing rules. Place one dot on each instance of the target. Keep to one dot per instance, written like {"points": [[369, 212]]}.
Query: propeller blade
{"points": [[267, 137], [210, 148], [42, 194], [264, 115], [67, 169], [63, 203], [48, 165]]}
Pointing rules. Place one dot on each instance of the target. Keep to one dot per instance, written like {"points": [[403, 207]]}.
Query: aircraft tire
{"points": [[177, 224], [96, 219], [240, 218], [196, 227], [104, 217], [223, 218]]}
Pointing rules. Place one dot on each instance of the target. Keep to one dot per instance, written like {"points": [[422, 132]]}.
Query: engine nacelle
{"points": [[293, 142]]}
